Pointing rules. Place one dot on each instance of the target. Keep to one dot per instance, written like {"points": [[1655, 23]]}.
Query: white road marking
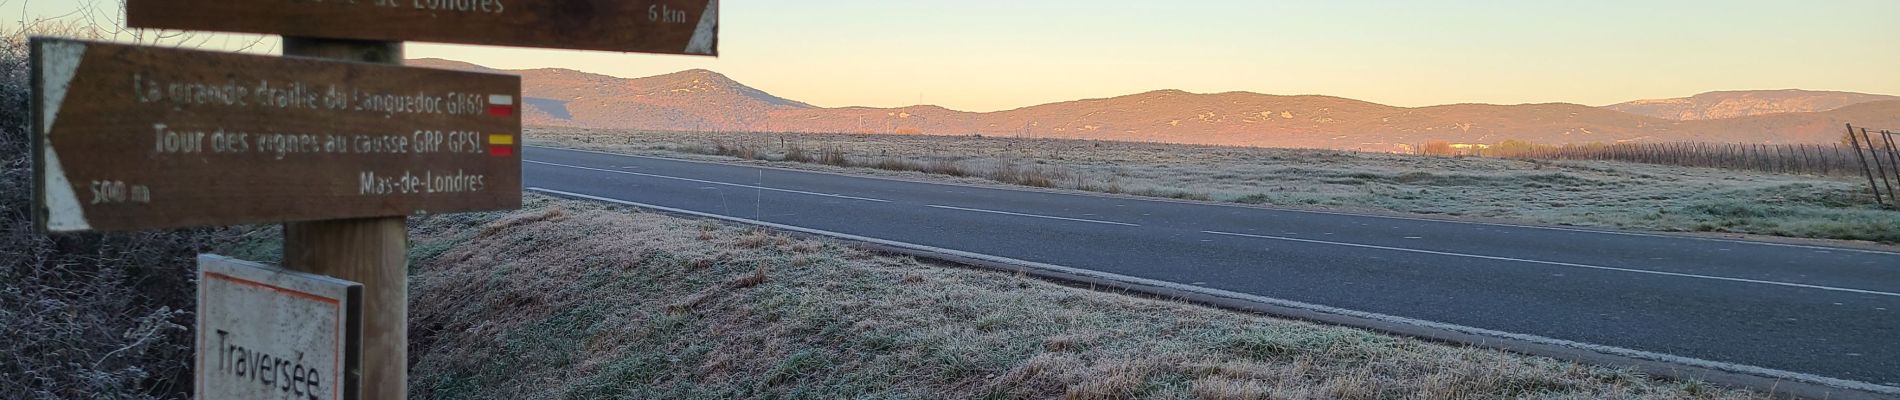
{"points": [[1563, 264], [710, 182], [1619, 351], [1032, 215]]}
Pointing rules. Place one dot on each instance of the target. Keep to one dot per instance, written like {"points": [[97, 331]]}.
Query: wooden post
{"points": [[1801, 154], [1831, 157], [1875, 187], [1873, 150], [1893, 154], [370, 251]]}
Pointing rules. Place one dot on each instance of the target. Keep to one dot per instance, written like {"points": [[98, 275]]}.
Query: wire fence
{"points": [[1862, 152], [1812, 159], [1881, 161]]}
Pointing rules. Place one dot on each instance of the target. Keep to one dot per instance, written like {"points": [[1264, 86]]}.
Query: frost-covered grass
{"points": [[578, 300], [86, 315], [1579, 193]]}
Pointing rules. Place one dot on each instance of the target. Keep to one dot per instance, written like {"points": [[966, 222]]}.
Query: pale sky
{"points": [[986, 55]]}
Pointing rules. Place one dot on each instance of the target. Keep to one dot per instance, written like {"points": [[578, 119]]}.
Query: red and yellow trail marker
{"points": [[501, 144]]}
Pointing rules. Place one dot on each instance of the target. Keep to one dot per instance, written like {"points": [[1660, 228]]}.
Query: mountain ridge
{"points": [[704, 100], [1746, 103]]}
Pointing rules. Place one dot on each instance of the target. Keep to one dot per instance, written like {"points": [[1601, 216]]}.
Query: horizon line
{"points": [[1155, 91]]}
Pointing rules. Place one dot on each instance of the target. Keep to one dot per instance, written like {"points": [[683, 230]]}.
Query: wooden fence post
{"points": [[1801, 164], [1893, 156], [1835, 163], [1875, 187], [370, 251], [1879, 166]]}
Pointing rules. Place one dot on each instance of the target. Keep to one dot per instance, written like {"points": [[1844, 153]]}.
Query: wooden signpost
{"points": [[645, 26], [142, 137], [328, 141], [267, 333]]}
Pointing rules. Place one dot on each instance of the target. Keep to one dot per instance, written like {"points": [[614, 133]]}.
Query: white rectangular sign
{"points": [[269, 333]]}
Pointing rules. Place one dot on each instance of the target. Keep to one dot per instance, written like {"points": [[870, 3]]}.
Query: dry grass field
{"points": [[579, 300], [1575, 193]]}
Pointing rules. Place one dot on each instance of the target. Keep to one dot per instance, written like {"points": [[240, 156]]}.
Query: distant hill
{"points": [[1240, 118], [1746, 103], [1802, 127], [687, 100], [700, 100]]}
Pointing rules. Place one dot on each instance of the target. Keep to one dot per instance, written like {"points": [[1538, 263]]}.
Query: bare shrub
{"points": [[758, 238], [1229, 389], [1069, 341], [552, 214], [700, 263], [833, 155], [689, 302], [91, 316], [892, 164], [946, 167], [911, 279], [748, 280], [1008, 171], [1112, 379], [741, 151], [85, 316], [794, 153]]}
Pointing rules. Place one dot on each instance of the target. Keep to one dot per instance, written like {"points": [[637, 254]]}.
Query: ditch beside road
{"points": [[581, 299]]}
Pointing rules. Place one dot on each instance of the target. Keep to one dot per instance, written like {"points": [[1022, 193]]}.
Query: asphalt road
{"points": [[1830, 312]]}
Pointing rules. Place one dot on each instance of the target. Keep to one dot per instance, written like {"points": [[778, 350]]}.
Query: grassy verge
{"points": [[1576, 193], [568, 299]]}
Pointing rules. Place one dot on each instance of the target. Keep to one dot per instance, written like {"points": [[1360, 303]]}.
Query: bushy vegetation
{"points": [[86, 316]]}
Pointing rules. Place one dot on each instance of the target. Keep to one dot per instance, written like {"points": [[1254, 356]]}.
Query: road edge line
{"points": [[1028, 215], [1676, 367], [1560, 264]]}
